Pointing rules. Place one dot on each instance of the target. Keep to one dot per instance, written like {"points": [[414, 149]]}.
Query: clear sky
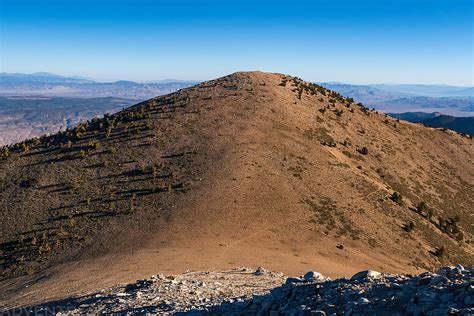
{"points": [[373, 41]]}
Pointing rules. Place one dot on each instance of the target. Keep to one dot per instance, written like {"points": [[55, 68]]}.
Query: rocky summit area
{"points": [[244, 291]]}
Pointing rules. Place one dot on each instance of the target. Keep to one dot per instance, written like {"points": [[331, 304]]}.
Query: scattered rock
{"points": [[294, 280], [243, 291]]}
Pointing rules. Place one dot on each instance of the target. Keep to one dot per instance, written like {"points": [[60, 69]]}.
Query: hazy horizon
{"points": [[159, 80]]}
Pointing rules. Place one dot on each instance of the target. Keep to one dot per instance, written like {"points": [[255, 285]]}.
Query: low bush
{"points": [[363, 151], [397, 198]]}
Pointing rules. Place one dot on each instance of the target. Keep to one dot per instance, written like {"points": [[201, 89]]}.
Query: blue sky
{"points": [[382, 41]]}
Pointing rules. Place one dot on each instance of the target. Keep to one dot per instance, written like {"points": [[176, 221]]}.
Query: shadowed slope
{"points": [[249, 169]]}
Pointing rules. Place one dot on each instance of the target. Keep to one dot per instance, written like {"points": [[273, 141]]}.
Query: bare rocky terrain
{"points": [[251, 169], [243, 291]]}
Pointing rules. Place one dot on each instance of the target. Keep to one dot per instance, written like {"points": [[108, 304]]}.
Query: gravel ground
{"points": [[243, 291]]}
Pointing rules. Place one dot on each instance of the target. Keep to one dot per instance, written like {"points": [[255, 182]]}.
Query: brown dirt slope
{"points": [[249, 169]]}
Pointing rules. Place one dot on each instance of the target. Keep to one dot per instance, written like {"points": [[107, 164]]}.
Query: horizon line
{"points": [[170, 80]]}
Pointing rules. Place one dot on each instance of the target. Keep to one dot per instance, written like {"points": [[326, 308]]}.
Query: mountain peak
{"points": [[246, 169]]}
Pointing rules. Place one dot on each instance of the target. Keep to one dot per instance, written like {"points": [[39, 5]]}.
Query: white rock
{"points": [[367, 274], [315, 276]]}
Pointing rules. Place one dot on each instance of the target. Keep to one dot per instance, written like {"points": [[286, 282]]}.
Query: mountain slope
{"points": [[249, 169]]}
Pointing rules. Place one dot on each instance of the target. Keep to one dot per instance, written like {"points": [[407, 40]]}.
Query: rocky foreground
{"points": [[243, 291]]}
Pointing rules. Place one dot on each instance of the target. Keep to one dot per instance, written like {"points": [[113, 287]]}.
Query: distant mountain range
{"points": [[436, 119], [48, 84], [428, 90], [450, 100], [39, 77]]}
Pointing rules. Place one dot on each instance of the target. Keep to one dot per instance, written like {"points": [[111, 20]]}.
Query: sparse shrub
{"points": [[450, 226], [154, 171], [29, 183], [429, 214], [44, 248], [74, 184], [409, 227], [397, 198], [372, 242], [422, 207], [440, 252], [347, 153], [149, 125], [6, 152], [338, 112], [363, 151], [423, 210], [300, 93], [328, 143], [30, 270], [96, 145], [61, 232], [71, 221], [83, 154], [157, 132]]}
